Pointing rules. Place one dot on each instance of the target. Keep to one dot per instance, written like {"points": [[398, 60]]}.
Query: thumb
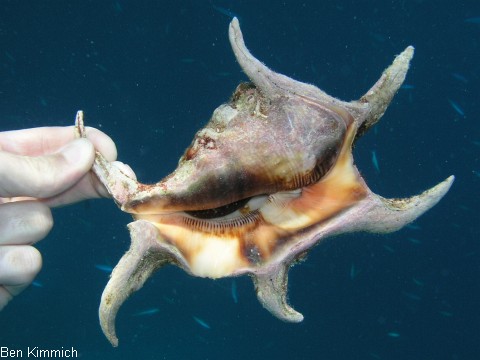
{"points": [[45, 176]]}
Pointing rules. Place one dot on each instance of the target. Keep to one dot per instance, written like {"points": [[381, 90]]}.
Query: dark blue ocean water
{"points": [[150, 73]]}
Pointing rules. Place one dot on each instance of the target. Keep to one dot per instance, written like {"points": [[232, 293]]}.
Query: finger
{"points": [[5, 297], [18, 267], [45, 176], [24, 222], [89, 187], [125, 168], [47, 140]]}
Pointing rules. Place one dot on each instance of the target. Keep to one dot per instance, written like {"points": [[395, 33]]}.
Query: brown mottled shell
{"points": [[270, 176]]}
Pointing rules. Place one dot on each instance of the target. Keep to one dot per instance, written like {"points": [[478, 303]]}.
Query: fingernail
{"points": [[126, 169], [78, 151]]}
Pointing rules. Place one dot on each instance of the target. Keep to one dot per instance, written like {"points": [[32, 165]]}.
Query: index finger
{"points": [[46, 140]]}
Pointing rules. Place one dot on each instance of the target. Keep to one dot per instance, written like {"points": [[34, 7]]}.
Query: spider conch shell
{"points": [[269, 177]]}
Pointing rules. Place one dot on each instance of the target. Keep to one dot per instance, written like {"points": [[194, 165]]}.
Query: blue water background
{"points": [[150, 73]]}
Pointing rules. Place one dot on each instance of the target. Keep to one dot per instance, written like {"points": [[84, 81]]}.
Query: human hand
{"points": [[41, 168]]}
